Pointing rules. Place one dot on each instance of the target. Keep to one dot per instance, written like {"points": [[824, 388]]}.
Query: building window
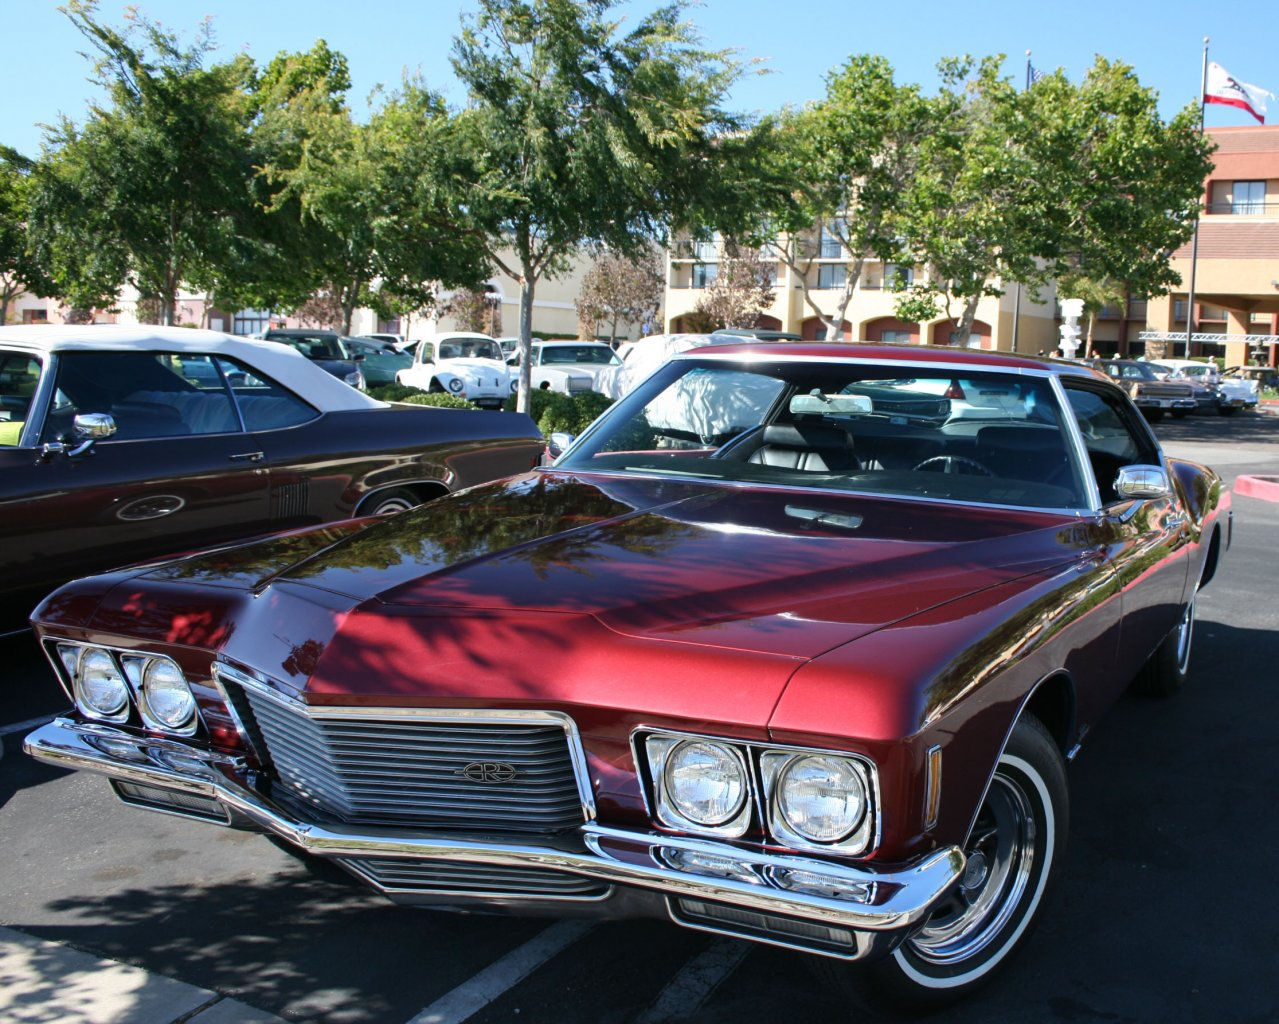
{"points": [[1137, 309], [251, 321], [1248, 197], [35, 316], [833, 276], [1179, 309], [897, 337], [829, 246], [704, 274], [706, 250], [898, 277]]}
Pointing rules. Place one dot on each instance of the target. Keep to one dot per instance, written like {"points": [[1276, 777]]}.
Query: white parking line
{"points": [[693, 985], [30, 723], [473, 995]]}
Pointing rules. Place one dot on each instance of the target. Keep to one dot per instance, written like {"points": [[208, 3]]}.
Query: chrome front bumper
{"points": [[877, 906]]}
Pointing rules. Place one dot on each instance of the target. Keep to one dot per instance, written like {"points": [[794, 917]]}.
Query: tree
{"points": [[581, 133], [19, 271], [835, 175], [376, 203], [742, 289], [153, 188], [1055, 181], [476, 310], [620, 289], [1096, 296]]}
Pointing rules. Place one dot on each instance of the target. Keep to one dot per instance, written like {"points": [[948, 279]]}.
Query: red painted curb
{"points": [[1264, 487]]}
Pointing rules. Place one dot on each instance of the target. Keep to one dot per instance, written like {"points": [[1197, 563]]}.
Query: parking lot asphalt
{"points": [[1163, 912]]}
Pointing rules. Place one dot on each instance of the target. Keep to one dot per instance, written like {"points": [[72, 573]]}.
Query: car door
{"points": [[1148, 540], [178, 473]]}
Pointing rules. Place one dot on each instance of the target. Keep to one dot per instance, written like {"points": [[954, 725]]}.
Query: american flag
{"points": [[1035, 73]]}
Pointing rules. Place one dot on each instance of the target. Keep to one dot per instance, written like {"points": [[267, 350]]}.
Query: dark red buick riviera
{"points": [[793, 644]]}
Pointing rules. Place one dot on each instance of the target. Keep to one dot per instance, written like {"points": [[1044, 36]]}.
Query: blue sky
{"points": [[43, 75]]}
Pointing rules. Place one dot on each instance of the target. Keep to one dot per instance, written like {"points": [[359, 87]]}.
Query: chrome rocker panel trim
{"points": [[898, 899]]}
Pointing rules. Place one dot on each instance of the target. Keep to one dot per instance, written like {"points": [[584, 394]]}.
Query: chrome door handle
{"points": [[247, 457]]}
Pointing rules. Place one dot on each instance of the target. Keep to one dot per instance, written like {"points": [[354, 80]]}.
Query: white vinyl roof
{"points": [[277, 361]]}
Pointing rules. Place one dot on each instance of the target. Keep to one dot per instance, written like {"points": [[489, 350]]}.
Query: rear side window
{"points": [[264, 404], [19, 375], [1110, 436]]}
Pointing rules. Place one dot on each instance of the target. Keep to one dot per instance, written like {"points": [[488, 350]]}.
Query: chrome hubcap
{"points": [[1000, 859]]}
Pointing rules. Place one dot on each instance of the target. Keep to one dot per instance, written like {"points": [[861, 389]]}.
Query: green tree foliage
{"points": [[19, 270], [1057, 180], [582, 132], [837, 171], [151, 190]]}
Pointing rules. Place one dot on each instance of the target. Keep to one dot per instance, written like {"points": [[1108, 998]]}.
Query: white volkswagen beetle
{"points": [[460, 363]]}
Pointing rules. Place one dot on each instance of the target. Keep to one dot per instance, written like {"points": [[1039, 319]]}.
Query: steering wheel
{"points": [[953, 464]]}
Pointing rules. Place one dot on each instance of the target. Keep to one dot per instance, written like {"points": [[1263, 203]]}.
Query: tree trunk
{"points": [[527, 284], [964, 325]]}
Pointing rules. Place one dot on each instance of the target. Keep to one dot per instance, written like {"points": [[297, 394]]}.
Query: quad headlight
{"points": [[166, 697], [813, 800], [822, 798], [99, 686], [106, 684], [701, 785]]}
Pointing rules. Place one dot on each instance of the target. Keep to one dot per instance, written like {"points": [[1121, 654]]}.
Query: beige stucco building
{"points": [[1237, 271], [1005, 323]]}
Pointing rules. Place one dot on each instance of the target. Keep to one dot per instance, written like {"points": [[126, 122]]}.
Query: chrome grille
{"points": [[411, 770], [398, 874]]}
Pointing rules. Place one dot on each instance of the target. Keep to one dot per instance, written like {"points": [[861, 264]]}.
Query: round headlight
{"points": [[705, 782], [457, 385], [515, 385], [100, 685], [168, 698], [822, 798]]}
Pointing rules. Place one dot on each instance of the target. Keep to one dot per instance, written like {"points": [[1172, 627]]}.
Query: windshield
{"points": [[470, 348], [596, 355], [963, 435]]}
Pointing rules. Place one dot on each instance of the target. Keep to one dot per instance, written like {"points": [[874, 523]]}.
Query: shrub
{"points": [[393, 392], [554, 411], [439, 400]]}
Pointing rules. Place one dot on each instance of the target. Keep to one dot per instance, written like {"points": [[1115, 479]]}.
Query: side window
{"points": [[148, 394], [425, 352], [1111, 437], [19, 375], [264, 404]]}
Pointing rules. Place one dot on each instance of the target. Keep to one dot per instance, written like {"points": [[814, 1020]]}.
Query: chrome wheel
{"points": [[1001, 859]]}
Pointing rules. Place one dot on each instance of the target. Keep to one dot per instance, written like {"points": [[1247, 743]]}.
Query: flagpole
{"points": [[1194, 244], [1017, 296]]}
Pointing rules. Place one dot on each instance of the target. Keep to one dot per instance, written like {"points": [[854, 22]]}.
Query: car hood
{"points": [[465, 367], [781, 572]]}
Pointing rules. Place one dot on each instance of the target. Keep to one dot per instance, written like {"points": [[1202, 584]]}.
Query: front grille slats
{"points": [[411, 771]]}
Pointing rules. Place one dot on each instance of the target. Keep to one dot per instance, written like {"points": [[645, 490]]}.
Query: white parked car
{"points": [[567, 366], [463, 364], [1232, 393]]}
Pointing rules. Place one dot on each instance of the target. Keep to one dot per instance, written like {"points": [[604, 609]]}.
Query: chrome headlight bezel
{"points": [[862, 836], [148, 703], [68, 658], [456, 385], [73, 658], [659, 749]]}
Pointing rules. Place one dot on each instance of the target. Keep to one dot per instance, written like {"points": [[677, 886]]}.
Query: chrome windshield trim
{"points": [[978, 366], [1073, 513], [495, 716]]}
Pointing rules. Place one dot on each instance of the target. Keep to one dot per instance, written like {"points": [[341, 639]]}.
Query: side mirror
{"points": [[558, 443], [1142, 482], [359, 357], [94, 426]]}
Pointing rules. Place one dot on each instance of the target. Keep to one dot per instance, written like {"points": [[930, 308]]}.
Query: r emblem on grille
{"points": [[488, 772]]}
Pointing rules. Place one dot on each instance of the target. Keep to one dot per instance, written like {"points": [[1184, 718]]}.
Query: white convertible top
{"points": [[277, 361]]}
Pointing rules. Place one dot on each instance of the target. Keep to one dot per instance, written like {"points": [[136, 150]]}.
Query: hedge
{"points": [[393, 392], [438, 399], [554, 411]]}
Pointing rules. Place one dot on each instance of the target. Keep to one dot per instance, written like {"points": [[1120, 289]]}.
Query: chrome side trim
{"points": [[497, 716], [898, 897]]}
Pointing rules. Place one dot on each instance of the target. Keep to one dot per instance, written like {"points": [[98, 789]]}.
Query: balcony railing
{"points": [[1244, 207]]}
